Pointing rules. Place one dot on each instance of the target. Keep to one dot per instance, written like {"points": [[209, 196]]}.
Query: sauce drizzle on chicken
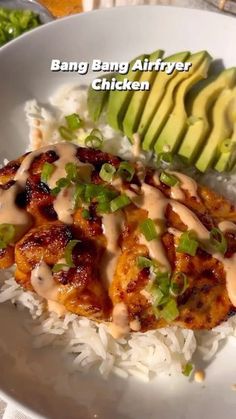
{"points": [[100, 250]]}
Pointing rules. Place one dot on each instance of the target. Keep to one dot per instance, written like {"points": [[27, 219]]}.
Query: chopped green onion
{"points": [[102, 193], [55, 191], [103, 207], [7, 233], [69, 252], [86, 214], [126, 171], [187, 243], [66, 133], [59, 267], [148, 229], [187, 369], [107, 171], [170, 311], [163, 281], [14, 22], [218, 241], [119, 202], [91, 191], [166, 158], [47, 172], [72, 171], [78, 195], [105, 195], [156, 293], [168, 179], [97, 133], [73, 121], [63, 183], [94, 139], [158, 296], [179, 284], [144, 262]]}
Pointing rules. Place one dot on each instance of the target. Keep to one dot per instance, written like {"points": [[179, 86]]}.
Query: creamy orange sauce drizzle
{"points": [[151, 199], [230, 271], [155, 202], [63, 205], [44, 285], [177, 193], [56, 307], [67, 154], [186, 183], [156, 178], [136, 146], [23, 171], [112, 228], [174, 231], [190, 220], [120, 324], [226, 226], [135, 325]]}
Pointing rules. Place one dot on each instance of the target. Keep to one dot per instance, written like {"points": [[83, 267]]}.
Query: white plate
{"points": [[28, 375]]}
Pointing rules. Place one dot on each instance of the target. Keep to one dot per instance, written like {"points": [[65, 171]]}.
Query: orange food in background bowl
{"points": [[61, 8]]}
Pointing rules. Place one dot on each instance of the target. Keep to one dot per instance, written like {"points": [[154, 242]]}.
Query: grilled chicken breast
{"points": [[81, 240]]}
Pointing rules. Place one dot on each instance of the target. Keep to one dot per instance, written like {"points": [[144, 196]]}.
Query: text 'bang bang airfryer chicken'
{"points": [[117, 242]]}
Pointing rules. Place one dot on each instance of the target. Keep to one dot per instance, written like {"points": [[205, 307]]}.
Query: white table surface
{"points": [[8, 412]]}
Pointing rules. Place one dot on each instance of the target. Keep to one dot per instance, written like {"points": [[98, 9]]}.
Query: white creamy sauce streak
{"points": [[151, 200], [136, 148], [155, 202], [66, 154], [63, 205], [120, 321], [193, 223], [186, 184], [112, 228], [225, 226], [44, 285]]}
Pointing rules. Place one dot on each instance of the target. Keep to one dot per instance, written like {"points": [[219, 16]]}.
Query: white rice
{"points": [[89, 344]]}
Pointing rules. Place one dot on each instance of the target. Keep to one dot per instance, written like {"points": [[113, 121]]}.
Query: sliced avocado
{"points": [[97, 99], [156, 94], [198, 121], [227, 159], [161, 115], [176, 125], [119, 100], [222, 129], [138, 99]]}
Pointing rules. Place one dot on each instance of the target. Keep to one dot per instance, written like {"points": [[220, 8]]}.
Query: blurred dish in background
{"points": [[225, 5], [20, 16], [45, 15], [61, 8]]}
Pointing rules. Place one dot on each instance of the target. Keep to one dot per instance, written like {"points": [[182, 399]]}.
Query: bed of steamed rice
{"points": [[142, 355]]}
